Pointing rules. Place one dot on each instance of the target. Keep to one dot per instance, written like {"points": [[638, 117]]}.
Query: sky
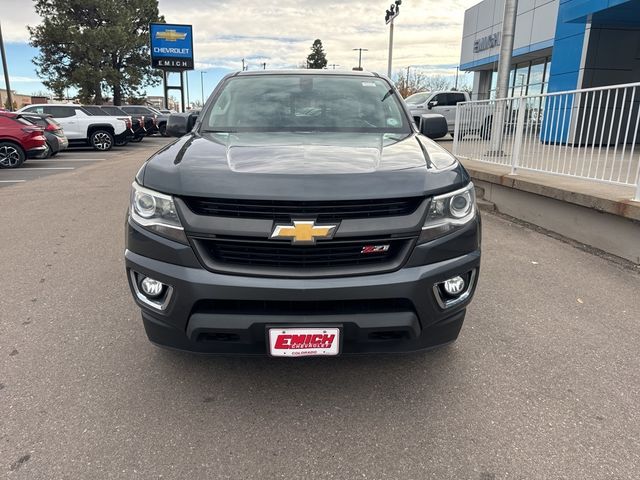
{"points": [[428, 34]]}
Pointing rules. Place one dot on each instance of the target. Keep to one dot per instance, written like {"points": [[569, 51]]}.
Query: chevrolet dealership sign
{"points": [[486, 43], [171, 46]]}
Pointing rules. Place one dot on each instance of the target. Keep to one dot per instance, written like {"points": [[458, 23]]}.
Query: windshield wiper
{"points": [[387, 95]]}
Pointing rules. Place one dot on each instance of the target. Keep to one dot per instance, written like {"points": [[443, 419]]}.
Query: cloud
{"points": [[428, 32]]}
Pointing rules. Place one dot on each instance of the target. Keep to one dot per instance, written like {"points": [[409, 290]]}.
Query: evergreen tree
{"points": [[95, 45], [317, 59]]}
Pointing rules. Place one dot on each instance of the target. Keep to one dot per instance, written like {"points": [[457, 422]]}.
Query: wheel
{"points": [[101, 140], [163, 129], [53, 154], [122, 143], [137, 139], [11, 155]]}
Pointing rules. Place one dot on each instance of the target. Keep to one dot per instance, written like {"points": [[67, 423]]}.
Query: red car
{"points": [[19, 140]]}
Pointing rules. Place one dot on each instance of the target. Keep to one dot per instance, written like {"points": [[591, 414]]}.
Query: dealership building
{"points": [[559, 45]]}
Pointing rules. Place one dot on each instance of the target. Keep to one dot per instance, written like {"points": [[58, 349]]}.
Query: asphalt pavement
{"points": [[67, 160], [543, 383]]}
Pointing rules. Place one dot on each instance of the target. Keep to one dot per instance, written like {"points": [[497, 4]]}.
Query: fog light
{"points": [[454, 286], [151, 288]]}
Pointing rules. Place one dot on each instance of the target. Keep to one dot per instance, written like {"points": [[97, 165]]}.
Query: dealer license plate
{"points": [[304, 342]]}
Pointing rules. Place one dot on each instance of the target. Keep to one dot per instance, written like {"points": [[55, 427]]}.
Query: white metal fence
{"points": [[591, 134]]}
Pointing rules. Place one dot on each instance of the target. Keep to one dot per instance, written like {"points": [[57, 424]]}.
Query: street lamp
{"points": [[360, 50], [202, 85], [6, 74], [391, 14]]}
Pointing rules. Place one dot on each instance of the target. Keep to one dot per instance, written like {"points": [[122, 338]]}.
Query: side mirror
{"points": [[433, 125], [179, 124], [431, 104]]}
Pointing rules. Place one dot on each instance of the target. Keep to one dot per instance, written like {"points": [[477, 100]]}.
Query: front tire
{"points": [[163, 129], [101, 140], [137, 139], [11, 155]]}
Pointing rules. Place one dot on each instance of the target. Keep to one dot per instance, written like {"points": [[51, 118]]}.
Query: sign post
{"points": [[171, 51]]}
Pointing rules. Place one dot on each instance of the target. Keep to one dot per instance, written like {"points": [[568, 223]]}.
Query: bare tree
{"points": [[409, 82]]}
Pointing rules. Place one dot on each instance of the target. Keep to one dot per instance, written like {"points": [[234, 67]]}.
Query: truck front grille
{"points": [[322, 210], [272, 258]]}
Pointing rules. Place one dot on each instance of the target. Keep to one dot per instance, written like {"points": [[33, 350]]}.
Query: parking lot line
{"points": [[47, 168], [66, 160], [12, 181]]}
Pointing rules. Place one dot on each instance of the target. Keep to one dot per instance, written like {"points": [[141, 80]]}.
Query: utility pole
{"points": [[6, 72], [186, 73], [457, 72], [360, 50], [202, 85], [264, 65], [243, 64], [504, 66], [391, 14]]}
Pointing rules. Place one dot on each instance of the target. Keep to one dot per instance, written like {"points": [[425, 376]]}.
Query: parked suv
{"points": [[53, 132], [159, 118], [303, 214], [443, 103], [19, 140], [81, 128], [136, 130]]}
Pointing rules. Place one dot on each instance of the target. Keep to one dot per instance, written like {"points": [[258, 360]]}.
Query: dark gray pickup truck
{"points": [[304, 214]]}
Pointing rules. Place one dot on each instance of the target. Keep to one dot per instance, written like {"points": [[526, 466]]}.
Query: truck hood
{"points": [[302, 166]]}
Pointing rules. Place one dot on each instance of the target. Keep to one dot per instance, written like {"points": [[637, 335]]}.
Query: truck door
{"points": [[440, 104], [454, 99]]}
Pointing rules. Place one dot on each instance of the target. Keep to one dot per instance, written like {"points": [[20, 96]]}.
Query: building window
{"points": [[528, 78]]}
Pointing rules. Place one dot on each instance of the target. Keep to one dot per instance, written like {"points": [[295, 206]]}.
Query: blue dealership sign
{"points": [[171, 46]]}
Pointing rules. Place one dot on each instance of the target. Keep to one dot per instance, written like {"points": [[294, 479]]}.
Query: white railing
{"points": [[591, 134]]}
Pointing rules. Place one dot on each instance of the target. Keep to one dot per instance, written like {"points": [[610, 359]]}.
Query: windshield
{"points": [[418, 98], [289, 102]]}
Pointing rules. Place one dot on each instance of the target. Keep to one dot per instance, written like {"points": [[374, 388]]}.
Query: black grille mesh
{"points": [[284, 255], [321, 211]]}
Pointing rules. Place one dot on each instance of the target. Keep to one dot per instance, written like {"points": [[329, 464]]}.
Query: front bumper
{"points": [[229, 314]]}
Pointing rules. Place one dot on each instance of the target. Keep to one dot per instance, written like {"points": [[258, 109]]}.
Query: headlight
{"points": [[449, 212], [156, 212]]}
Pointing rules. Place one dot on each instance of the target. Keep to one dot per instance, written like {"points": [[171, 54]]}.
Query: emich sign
{"points": [[171, 46], [486, 43]]}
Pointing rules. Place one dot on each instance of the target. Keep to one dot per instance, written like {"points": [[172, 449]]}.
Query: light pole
{"points": [[504, 67], [202, 85], [186, 73], [359, 50], [391, 14], [6, 73]]}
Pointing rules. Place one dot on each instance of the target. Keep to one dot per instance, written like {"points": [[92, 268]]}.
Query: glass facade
{"points": [[526, 78]]}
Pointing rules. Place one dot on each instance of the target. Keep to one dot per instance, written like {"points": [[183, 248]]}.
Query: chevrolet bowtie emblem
{"points": [[171, 35], [303, 232]]}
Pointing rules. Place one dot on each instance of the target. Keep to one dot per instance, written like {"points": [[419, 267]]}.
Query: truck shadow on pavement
{"points": [[359, 383]]}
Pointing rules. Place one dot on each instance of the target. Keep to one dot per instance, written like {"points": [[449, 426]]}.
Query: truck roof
{"points": [[309, 72]]}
